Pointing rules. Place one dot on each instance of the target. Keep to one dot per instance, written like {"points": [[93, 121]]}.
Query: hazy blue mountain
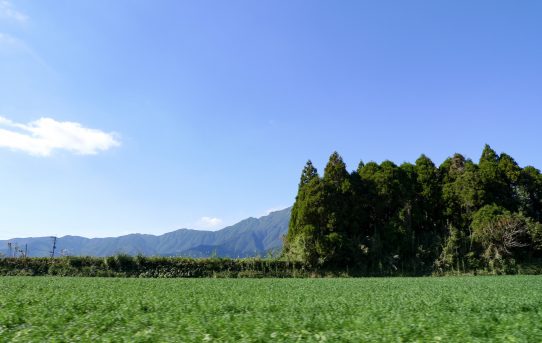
{"points": [[249, 237]]}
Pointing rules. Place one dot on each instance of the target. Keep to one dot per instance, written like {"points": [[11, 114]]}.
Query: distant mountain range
{"points": [[249, 237]]}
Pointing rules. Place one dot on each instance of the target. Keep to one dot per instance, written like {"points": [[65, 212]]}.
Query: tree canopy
{"points": [[418, 218]]}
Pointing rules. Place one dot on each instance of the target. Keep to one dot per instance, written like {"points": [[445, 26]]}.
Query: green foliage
{"points": [[535, 231], [529, 193], [307, 218], [501, 234], [449, 258], [416, 218], [122, 265], [459, 309]]}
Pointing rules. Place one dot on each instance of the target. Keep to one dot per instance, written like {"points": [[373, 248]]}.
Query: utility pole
{"points": [[25, 250], [9, 247], [54, 247]]}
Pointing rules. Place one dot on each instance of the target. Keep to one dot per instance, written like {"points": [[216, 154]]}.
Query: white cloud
{"points": [[8, 11], [43, 136], [274, 209], [209, 222]]}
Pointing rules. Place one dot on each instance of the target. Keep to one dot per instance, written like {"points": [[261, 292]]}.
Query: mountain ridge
{"points": [[249, 237]]}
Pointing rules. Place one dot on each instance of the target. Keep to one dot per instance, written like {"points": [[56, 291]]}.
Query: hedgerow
{"points": [[122, 265]]}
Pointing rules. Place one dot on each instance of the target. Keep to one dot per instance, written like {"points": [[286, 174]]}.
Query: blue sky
{"points": [[149, 116]]}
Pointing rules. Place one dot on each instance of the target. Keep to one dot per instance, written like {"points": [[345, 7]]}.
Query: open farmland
{"points": [[457, 309]]}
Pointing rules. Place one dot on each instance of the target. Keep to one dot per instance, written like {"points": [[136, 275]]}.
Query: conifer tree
{"points": [[490, 176], [334, 247], [305, 221], [509, 173], [429, 226]]}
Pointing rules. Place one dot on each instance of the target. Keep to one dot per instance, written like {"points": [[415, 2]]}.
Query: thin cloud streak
{"points": [[8, 11], [11, 43]]}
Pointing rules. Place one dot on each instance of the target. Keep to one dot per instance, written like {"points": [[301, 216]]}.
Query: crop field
{"points": [[459, 309]]}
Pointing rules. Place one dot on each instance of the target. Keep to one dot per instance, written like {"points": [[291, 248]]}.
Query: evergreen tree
{"points": [[370, 201], [360, 218], [408, 225], [308, 174], [334, 247], [509, 173], [529, 193], [305, 221], [430, 228], [491, 177], [386, 239]]}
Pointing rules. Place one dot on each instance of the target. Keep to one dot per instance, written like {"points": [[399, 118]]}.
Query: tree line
{"points": [[418, 218]]}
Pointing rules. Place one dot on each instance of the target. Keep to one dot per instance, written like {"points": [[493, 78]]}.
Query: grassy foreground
{"points": [[460, 309]]}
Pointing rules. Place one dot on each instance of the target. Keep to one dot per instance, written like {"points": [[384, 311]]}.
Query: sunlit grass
{"points": [[460, 309]]}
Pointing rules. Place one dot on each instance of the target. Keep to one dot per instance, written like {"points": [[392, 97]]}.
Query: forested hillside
{"points": [[385, 218], [249, 237]]}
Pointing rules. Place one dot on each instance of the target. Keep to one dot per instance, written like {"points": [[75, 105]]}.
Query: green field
{"points": [[460, 309]]}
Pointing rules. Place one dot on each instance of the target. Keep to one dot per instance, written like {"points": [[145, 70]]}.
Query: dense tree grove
{"points": [[418, 218]]}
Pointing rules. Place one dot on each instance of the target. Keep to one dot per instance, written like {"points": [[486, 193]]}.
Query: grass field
{"points": [[460, 309]]}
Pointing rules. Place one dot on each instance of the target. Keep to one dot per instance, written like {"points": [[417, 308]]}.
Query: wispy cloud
{"points": [[209, 222], [9, 40], [274, 209], [43, 136], [8, 11], [11, 43]]}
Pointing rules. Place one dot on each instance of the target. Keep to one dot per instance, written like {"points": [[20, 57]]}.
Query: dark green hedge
{"points": [[175, 267], [155, 267]]}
